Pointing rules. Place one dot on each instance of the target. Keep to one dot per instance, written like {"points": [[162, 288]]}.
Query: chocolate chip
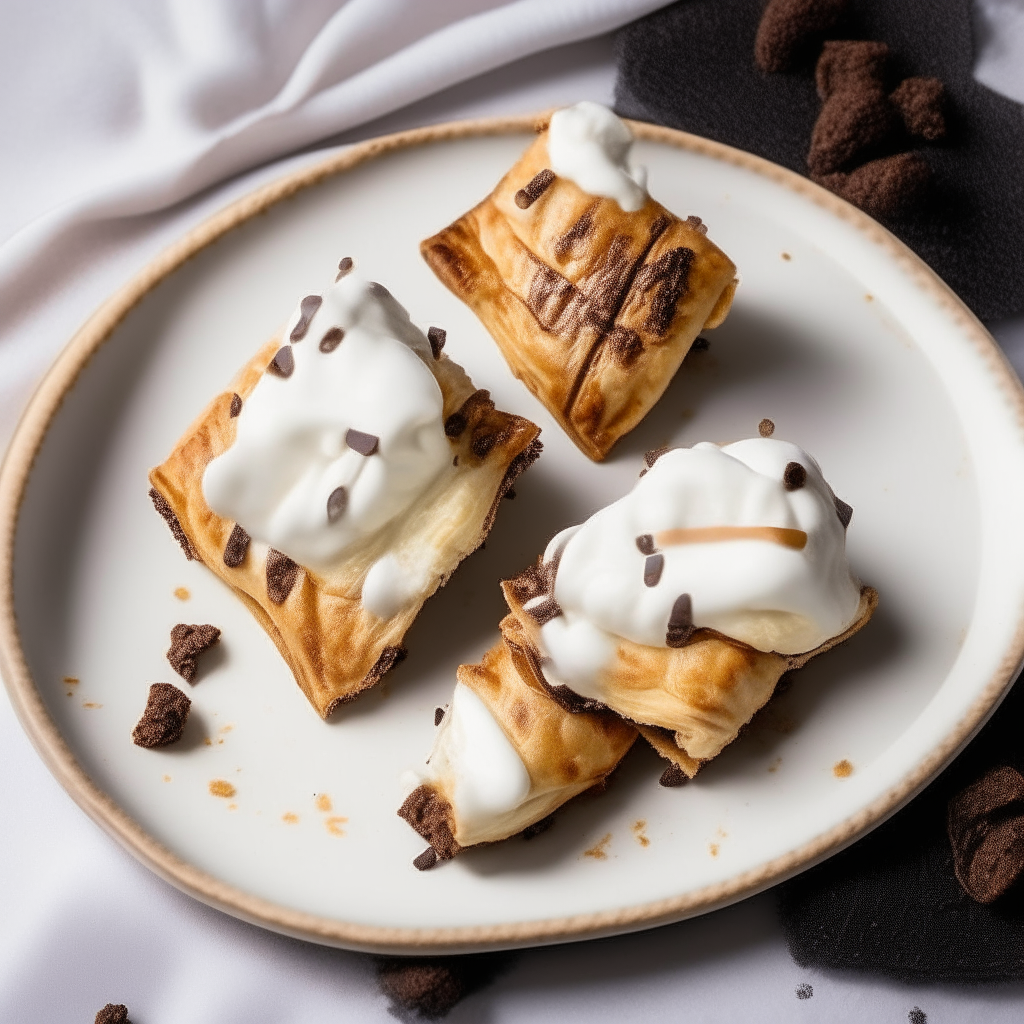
{"points": [[236, 405], [187, 643], [510, 494], [307, 310], [534, 189], [426, 860], [844, 511], [789, 29], [645, 544], [538, 827], [680, 622], [281, 575], [653, 568], [673, 776], [920, 102], [454, 425], [850, 64], [162, 506], [331, 340], [766, 428], [794, 476], [700, 345], [163, 720], [544, 612], [379, 291], [651, 457], [438, 716], [887, 187], [236, 547], [336, 504], [437, 337], [283, 364], [344, 267], [113, 1013], [365, 444], [697, 224]]}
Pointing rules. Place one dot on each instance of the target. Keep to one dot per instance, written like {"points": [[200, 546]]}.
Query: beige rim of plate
{"points": [[101, 808]]}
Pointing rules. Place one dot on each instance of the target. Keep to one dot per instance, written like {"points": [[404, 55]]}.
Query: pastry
{"points": [[507, 754], [681, 605], [592, 289], [340, 481]]}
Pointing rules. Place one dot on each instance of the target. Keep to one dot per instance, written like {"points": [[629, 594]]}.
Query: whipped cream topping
{"points": [[341, 434], [482, 774], [746, 539], [589, 145]]}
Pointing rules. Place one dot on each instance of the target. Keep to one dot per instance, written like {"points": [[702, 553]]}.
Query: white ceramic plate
{"points": [[838, 334]]}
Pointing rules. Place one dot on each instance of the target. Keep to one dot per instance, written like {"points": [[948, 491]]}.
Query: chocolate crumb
{"points": [[281, 575], [673, 776], [236, 548], [331, 340], [307, 310], [426, 860], [428, 813], [344, 267], [428, 987], [853, 122], [920, 101], [850, 64], [917, 1016], [544, 612], [437, 337], [162, 506], [680, 622], [844, 511], [653, 569], [700, 345], [113, 1013], [337, 502], [794, 476], [697, 224], [651, 457], [438, 716], [789, 29], [645, 544], [887, 187], [766, 428], [510, 494], [534, 189], [454, 425], [187, 643], [538, 827], [236, 405], [365, 444], [163, 720], [283, 364], [804, 991]]}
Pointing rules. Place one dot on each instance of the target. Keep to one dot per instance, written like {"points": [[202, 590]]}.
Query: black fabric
{"points": [[691, 66]]}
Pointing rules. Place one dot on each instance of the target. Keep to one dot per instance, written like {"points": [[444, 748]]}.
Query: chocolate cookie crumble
{"points": [[429, 987], [437, 337], [187, 643], [766, 428], [673, 776], [113, 1013], [163, 720]]}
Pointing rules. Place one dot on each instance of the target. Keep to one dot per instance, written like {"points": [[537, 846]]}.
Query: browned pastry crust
{"points": [[334, 647], [688, 702], [593, 308]]}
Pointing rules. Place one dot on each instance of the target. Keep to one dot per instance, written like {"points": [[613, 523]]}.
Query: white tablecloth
{"points": [[114, 114]]}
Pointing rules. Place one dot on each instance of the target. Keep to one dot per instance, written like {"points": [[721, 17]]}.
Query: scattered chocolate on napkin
{"points": [[935, 155]]}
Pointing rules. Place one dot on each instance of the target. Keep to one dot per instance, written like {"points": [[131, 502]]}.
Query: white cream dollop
{"points": [[773, 595], [589, 145], [291, 452]]}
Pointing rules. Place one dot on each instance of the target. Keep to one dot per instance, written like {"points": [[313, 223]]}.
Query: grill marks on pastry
{"points": [[236, 405], [236, 548], [654, 566], [534, 189], [625, 344], [794, 476], [577, 234], [337, 502], [364, 444], [283, 363], [680, 622], [162, 506], [282, 573], [668, 276], [307, 310], [331, 340], [437, 337]]}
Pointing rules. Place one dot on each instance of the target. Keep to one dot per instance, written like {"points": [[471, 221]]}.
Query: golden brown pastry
{"points": [[339, 482], [592, 289]]}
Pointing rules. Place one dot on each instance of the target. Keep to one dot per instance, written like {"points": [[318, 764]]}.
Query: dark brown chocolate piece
{"points": [[850, 64], [365, 444], [282, 573], [457, 422], [236, 405], [766, 428], [538, 827], [438, 716], [697, 224], [307, 310], [283, 364], [429, 989], [534, 189], [673, 776], [163, 720], [428, 813], [337, 502], [545, 612], [426, 860], [651, 457], [921, 103], [700, 345], [645, 544], [886, 187], [680, 622], [789, 30], [331, 340], [437, 336], [236, 548], [794, 476], [483, 444], [653, 569], [378, 290], [187, 643], [844, 511], [168, 516], [113, 1013], [344, 267]]}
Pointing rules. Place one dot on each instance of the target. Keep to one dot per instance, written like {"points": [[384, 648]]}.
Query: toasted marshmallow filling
{"points": [[590, 146], [341, 434], [746, 539]]}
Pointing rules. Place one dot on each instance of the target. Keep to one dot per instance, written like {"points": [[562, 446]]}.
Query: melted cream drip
{"points": [[290, 452], [590, 146]]}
